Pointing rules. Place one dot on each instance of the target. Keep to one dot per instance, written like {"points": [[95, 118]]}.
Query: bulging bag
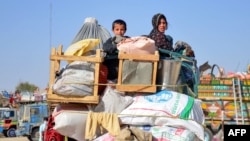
{"points": [[137, 45]]}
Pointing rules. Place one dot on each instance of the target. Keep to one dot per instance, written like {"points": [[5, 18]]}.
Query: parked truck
{"points": [[9, 120], [31, 117], [224, 100]]}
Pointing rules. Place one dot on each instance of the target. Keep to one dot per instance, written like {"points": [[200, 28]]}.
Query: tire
{"points": [[11, 132], [208, 135], [35, 134]]}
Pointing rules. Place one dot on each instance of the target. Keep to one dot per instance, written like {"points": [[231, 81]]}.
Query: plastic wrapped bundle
{"points": [[91, 29]]}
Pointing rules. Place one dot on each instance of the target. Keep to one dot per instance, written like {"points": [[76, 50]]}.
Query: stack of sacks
{"points": [[167, 115], [70, 120], [165, 108]]}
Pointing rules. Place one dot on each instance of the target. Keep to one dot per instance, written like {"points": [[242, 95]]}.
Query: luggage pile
{"points": [[149, 101], [126, 109]]}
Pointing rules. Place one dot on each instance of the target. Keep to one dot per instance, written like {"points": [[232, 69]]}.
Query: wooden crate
{"points": [[56, 59], [154, 58]]}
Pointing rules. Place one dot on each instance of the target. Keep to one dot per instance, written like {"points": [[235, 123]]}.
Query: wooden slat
{"points": [[136, 88], [78, 58], [96, 81], [119, 80], [52, 72], [155, 69], [139, 57], [52, 97]]}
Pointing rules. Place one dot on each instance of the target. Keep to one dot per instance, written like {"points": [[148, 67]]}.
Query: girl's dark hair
{"points": [[119, 21]]}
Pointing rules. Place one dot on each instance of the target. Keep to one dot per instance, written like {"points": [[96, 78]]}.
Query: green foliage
{"points": [[26, 86]]}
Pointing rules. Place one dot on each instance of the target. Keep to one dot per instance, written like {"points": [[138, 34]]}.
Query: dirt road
{"points": [[14, 139]]}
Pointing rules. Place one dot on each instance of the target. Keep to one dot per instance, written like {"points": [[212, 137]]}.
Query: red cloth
{"points": [[50, 134], [11, 100], [103, 78]]}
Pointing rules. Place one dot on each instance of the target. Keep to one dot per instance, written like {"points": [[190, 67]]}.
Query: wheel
{"points": [[11, 132], [208, 134], [35, 134]]}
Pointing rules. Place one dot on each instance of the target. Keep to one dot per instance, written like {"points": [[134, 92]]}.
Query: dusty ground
{"points": [[3, 138], [14, 139]]}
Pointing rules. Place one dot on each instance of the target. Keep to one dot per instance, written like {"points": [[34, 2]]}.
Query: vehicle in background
{"points": [[225, 101], [9, 120], [2, 117], [31, 117]]}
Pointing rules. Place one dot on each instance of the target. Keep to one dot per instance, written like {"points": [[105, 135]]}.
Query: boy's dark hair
{"points": [[17, 91], [119, 21], [45, 118]]}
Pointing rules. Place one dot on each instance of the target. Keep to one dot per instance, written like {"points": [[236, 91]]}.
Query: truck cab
{"points": [[31, 117], [2, 118], [9, 119]]}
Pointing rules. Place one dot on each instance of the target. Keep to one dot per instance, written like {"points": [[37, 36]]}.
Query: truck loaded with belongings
{"points": [[153, 97]]}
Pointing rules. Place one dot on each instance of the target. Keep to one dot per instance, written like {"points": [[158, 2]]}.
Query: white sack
{"points": [[165, 108], [77, 79], [166, 103], [71, 124], [168, 133], [113, 101]]}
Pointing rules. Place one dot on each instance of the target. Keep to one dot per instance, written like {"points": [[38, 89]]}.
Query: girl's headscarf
{"points": [[161, 40], [156, 19]]}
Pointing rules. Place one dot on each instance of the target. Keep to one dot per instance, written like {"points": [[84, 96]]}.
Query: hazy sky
{"points": [[217, 30]]}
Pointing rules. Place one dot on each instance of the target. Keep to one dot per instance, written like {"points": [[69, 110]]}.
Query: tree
{"points": [[26, 86]]}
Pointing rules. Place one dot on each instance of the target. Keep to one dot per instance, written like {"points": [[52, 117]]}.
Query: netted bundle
{"points": [[91, 29]]}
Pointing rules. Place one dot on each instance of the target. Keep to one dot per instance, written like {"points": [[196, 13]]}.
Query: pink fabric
{"points": [[137, 45]]}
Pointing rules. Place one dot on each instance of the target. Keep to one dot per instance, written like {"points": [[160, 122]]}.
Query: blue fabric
{"points": [[1, 129]]}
